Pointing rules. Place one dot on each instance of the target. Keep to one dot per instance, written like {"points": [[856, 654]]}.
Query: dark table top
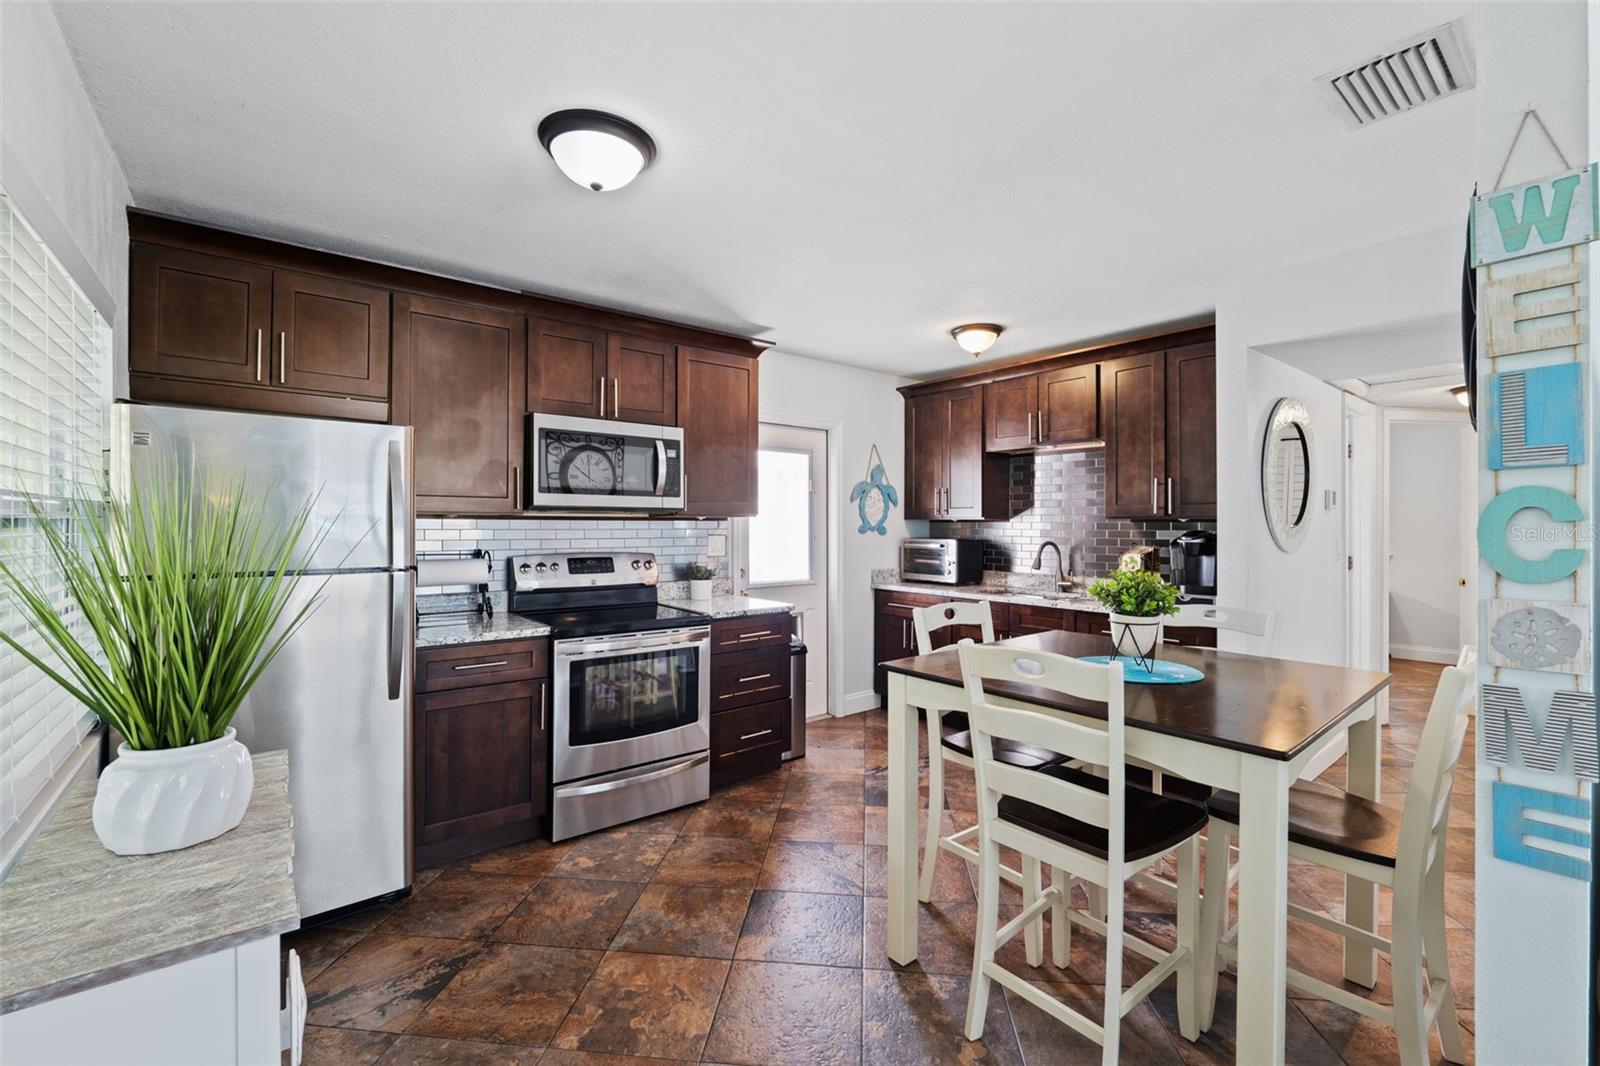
{"points": [[1267, 707]]}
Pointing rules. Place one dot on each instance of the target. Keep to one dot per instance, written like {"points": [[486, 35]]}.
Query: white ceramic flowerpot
{"points": [[700, 590], [150, 801], [1136, 636]]}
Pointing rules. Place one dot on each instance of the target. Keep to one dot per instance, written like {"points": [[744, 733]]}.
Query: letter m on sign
{"points": [[1560, 209], [1569, 724]]}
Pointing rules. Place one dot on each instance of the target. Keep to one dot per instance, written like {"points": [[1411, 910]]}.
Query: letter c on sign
{"points": [[1561, 563]]}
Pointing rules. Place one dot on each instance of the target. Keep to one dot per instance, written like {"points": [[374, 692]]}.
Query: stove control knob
{"points": [[541, 568], [637, 564], [554, 567], [649, 564], [524, 568]]}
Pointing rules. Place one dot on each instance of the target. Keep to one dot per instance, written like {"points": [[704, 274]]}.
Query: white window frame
{"points": [[811, 545]]}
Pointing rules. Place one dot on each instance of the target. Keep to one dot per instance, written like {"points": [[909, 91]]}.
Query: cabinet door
{"points": [[717, 408], [1192, 431], [926, 448], [964, 463], [459, 384], [480, 759], [1011, 413], [1069, 400], [196, 316], [1133, 413], [644, 380], [329, 336], [567, 367], [1026, 618]]}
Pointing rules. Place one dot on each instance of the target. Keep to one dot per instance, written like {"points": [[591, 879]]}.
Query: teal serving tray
{"points": [[1160, 672]]}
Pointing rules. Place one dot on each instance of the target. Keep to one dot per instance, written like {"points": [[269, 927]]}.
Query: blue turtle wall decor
{"points": [[874, 496]]}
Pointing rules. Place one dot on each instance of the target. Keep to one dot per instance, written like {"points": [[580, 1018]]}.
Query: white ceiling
{"points": [[848, 179]]}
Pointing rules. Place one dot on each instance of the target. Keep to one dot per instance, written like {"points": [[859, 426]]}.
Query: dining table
{"points": [[1251, 725]]}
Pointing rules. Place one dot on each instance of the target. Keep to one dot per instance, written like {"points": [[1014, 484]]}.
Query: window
{"points": [[780, 532], [54, 388]]}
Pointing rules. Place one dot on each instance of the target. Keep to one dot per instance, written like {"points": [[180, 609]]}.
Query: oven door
{"points": [[595, 463], [628, 700], [928, 560]]}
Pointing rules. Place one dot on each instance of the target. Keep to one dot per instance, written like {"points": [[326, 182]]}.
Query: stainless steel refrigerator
{"points": [[338, 695]]}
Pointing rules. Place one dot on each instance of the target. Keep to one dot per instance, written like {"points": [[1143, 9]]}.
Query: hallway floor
{"points": [[750, 930]]}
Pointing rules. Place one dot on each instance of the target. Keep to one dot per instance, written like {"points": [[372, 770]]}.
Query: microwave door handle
{"points": [[661, 466]]}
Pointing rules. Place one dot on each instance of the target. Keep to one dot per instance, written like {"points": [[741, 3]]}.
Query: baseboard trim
{"points": [[1420, 654], [856, 702]]}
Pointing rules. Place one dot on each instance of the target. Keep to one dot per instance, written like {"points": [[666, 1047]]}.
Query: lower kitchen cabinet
{"points": [[481, 747], [750, 696]]}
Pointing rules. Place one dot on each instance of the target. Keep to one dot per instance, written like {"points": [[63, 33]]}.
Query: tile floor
{"points": [[750, 930]]}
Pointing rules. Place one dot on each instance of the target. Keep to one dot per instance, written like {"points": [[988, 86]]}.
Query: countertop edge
{"points": [[976, 592]]}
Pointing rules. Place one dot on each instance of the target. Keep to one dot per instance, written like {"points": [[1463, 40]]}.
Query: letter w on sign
{"points": [[1569, 726], [1553, 212]]}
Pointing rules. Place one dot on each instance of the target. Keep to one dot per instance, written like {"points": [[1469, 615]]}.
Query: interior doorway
{"points": [[782, 552]]}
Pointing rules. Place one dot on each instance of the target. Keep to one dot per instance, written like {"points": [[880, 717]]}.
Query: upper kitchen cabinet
{"points": [[950, 474], [1192, 431], [1011, 414], [592, 373], [200, 317], [460, 384], [1134, 413], [333, 336], [717, 408], [1053, 408], [644, 380]]}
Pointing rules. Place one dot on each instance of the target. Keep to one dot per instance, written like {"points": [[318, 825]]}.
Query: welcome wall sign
{"points": [[1536, 216]]}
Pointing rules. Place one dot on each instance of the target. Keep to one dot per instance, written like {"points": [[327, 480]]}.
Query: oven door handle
{"points": [[581, 648], [633, 779]]}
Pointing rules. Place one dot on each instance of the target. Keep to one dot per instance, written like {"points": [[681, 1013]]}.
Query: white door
{"points": [[782, 552]]}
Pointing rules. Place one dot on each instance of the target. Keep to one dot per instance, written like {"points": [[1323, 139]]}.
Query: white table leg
{"points": [[1362, 778], [1263, 910], [902, 882]]}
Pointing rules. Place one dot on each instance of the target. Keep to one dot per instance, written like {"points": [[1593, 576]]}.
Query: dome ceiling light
{"points": [[597, 150], [976, 337], [1462, 395]]}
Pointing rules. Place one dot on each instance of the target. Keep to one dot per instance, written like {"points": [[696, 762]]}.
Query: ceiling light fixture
{"points": [[1463, 397], [976, 337], [597, 150]]}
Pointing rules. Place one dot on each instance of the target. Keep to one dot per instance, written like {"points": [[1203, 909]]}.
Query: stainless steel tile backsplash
{"points": [[1060, 496]]}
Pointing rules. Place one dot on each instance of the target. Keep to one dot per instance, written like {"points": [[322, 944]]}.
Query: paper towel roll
{"points": [[431, 572]]}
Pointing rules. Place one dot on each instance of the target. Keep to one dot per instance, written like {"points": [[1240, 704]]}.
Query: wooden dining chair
{"points": [[1402, 850], [956, 748], [1084, 827]]}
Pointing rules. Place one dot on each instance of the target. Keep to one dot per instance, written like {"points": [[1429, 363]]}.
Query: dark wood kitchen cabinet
{"points": [[480, 747], [459, 383], [332, 336], [590, 373], [1069, 405], [644, 380], [750, 695], [1010, 414], [895, 635], [200, 317], [1134, 414], [718, 404], [1192, 431], [951, 476]]}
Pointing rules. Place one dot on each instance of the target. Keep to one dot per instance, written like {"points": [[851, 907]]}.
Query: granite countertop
{"points": [[73, 916], [1000, 593], [472, 629], [731, 606]]}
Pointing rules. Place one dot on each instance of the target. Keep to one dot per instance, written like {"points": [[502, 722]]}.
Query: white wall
{"points": [[864, 409], [1425, 518], [58, 167]]}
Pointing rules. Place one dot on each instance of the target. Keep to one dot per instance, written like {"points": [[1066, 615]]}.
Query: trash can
{"points": [[797, 699]]}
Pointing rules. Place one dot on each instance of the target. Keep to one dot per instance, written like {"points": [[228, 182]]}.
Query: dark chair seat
{"points": [[1330, 819], [1009, 752], [1171, 785], [954, 719], [1151, 823]]}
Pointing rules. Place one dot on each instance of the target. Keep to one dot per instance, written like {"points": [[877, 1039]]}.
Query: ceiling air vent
{"points": [[1423, 69]]}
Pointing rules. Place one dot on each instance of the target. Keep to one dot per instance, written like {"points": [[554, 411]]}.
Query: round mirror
{"points": [[1286, 456]]}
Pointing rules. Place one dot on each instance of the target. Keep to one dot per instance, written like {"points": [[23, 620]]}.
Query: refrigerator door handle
{"points": [[397, 631], [399, 505]]}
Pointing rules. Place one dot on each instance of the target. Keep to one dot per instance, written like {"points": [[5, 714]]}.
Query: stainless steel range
{"points": [[631, 704]]}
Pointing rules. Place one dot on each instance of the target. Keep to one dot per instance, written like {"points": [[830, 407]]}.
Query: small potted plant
{"points": [[186, 591], [1138, 601], [700, 577]]}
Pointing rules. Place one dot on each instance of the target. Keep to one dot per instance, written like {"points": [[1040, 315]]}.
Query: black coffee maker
{"points": [[1193, 561]]}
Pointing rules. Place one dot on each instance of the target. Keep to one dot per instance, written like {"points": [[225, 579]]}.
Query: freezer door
{"points": [[325, 699], [360, 474]]}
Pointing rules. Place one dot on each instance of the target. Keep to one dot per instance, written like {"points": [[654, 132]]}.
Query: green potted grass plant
{"points": [[185, 592], [1138, 601], [700, 577]]}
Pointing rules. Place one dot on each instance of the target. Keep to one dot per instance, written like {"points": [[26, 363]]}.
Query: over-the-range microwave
{"points": [[599, 464]]}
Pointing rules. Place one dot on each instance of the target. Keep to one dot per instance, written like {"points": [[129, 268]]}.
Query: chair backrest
{"points": [[1232, 619], [1425, 818], [994, 716], [929, 620]]}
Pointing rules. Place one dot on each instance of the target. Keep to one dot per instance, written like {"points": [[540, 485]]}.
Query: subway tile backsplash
{"points": [[1060, 496]]}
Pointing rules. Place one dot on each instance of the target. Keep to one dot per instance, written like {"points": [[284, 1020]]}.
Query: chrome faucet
{"points": [[1038, 563]]}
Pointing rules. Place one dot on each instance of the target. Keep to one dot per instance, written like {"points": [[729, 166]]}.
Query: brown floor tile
{"points": [[570, 912], [746, 821], [318, 947], [560, 1057], [1359, 1039], [914, 1018], [509, 994], [343, 1047], [1303, 1045], [817, 790], [716, 862], [830, 761], [685, 920], [532, 858], [767, 788], [811, 927], [462, 904], [420, 1050], [950, 880], [837, 823], [778, 1014], [667, 822], [809, 866], [1045, 1040], [654, 1005], [875, 824], [385, 981], [615, 856]]}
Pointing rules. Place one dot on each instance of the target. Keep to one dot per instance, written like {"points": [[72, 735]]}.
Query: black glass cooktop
{"points": [[573, 621]]}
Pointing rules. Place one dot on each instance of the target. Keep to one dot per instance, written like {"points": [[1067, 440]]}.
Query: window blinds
{"points": [[54, 389]]}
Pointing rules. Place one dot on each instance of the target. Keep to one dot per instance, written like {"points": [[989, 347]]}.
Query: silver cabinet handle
{"points": [[752, 736], [1030, 427], [479, 666], [904, 640], [754, 677], [757, 634], [516, 485], [904, 606], [259, 333], [1041, 425], [542, 689], [1154, 493], [283, 357], [602, 397], [616, 398], [1169, 495]]}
